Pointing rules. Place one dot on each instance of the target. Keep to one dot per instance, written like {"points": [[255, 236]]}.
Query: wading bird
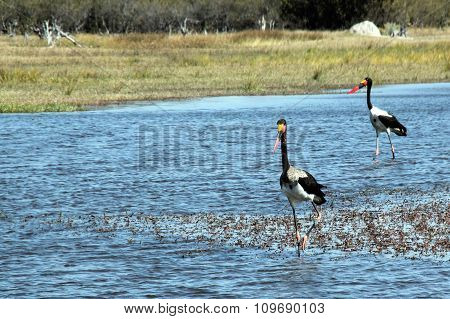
{"points": [[298, 185], [381, 120]]}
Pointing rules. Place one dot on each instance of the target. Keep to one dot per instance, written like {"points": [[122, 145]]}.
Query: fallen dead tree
{"points": [[52, 33]]}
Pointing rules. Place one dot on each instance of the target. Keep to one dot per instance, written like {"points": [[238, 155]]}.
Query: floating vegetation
{"points": [[412, 231], [3, 216]]}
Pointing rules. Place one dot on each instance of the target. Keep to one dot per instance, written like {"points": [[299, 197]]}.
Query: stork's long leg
{"points": [[305, 238], [392, 146], [297, 235], [377, 149], [319, 216]]}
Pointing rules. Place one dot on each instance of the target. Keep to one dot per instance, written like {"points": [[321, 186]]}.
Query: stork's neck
{"points": [[284, 156], [369, 88]]}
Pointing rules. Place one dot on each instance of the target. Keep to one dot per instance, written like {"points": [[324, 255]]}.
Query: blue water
{"points": [[209, 155]]}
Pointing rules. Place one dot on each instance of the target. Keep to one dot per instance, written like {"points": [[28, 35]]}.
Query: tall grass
{"points": [[158, 66]]}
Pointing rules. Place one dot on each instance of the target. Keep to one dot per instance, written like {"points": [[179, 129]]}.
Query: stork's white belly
{"points": [[296, 193], [373, 115], [376, 123]]}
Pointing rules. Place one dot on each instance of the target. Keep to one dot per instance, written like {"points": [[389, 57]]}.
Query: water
{"points": [[66, 178]]}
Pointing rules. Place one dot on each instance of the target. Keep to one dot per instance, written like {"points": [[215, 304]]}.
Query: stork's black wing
{"points": [[392, 123], [311, 186]]}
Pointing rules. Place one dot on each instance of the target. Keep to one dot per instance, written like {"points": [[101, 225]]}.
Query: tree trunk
{"points": [[262, 23]]}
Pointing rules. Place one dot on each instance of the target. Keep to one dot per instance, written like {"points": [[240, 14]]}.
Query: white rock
{"points": [[366, 28]]}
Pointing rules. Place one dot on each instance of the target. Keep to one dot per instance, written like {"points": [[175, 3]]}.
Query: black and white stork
{"points": [[298, 185], [381, 120]]}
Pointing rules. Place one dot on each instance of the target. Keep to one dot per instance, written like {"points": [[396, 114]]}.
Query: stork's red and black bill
{"points": [[281, 130], [359, 86]]}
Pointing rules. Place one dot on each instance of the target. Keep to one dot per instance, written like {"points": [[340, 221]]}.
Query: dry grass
{"points": [[157, 66]]}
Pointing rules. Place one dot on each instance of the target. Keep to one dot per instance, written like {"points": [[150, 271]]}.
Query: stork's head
{"points": [[281, 127], [366, 82]]}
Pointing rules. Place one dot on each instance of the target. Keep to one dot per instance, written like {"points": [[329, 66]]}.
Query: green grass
{"points": [[109, 69]]}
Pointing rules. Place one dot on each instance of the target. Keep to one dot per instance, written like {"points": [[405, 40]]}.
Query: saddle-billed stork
{"points": [[298, 185], [381, 120]]}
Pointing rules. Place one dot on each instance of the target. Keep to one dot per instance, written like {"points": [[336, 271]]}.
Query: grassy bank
{"points": [[115, 68]]}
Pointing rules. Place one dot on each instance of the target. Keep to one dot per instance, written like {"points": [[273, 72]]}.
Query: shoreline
{"points": [[120, 69], [101, 105], [113, 104]]}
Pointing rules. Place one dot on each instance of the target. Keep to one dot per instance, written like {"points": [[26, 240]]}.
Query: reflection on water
{"points": [[211, 155]]}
